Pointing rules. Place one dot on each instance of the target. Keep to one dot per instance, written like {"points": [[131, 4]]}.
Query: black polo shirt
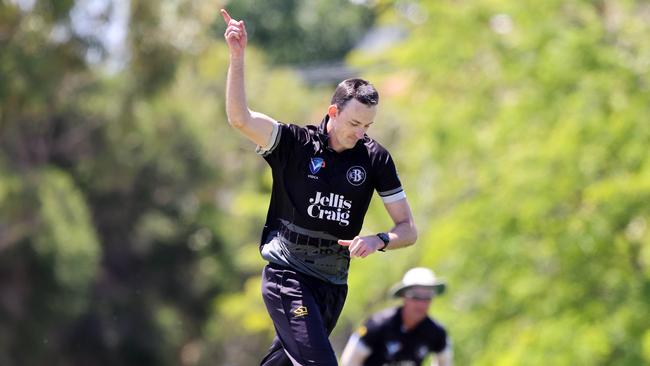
{"points": [[323, 193], [391, 345]]}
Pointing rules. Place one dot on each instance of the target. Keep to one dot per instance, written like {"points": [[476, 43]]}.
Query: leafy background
{"points": [[130, 212]]}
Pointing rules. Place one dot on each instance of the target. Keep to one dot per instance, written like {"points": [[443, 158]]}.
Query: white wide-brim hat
{"points": [[418, 277]]}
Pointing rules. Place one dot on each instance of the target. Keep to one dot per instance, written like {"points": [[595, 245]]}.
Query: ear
{"points": [[332, 111]]}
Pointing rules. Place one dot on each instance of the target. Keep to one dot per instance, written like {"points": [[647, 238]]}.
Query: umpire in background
{"points": [[403, 335]]}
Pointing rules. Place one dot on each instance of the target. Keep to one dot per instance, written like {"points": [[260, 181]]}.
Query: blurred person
{"points": [[403, 335], [323, 179]]}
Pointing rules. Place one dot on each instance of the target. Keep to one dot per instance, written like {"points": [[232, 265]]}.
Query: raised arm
{"points": [[256, 126]]}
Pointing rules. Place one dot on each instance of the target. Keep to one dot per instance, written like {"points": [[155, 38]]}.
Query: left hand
{"points": [[362, 246]]}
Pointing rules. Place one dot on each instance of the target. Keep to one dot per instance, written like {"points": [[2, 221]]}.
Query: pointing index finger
{"points": [[345, 243], [226, 16]]}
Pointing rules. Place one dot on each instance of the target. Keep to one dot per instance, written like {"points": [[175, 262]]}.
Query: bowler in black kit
{"points": [[323, 179]]}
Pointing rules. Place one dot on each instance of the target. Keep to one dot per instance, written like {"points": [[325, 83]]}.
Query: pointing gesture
{"points": [[235, 34], [362, 246]]}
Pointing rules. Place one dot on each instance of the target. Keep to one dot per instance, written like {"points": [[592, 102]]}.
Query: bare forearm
{"points": [[355, 352], [445, 358], [402, 235], [236, 106], [255, 126]]}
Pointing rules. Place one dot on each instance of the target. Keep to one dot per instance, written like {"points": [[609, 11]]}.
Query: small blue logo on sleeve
{"points": [[315, 164]]}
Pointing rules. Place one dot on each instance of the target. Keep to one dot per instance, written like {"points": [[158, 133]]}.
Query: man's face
{"points": [[417, 301], [351, 123]]}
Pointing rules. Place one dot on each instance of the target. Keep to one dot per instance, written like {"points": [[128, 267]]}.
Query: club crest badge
{"points": [[356, 175], [315, 164]]}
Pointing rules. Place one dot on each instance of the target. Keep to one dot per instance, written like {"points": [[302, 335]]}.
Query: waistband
{"points": [[303, 239]]}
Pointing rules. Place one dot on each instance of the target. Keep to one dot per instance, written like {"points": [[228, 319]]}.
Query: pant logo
{"points": [[300, 311]]}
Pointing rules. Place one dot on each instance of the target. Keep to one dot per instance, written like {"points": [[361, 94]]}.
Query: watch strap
{"points": [[384, 237]]}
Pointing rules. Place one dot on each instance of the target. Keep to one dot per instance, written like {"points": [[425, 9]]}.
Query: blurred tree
{"points": [[527, 136], [111, 242], [109, 246], [303, 32], [130, 212]]}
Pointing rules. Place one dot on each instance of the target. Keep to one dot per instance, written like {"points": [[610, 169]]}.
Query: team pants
{"points": [[304, 311]]}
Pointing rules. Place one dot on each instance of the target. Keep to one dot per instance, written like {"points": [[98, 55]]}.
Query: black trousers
{"points": [[304, 311]]}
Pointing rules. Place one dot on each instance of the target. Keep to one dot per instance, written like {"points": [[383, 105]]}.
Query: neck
{"points": [[335, 145], [333, 141], [410, 322]]}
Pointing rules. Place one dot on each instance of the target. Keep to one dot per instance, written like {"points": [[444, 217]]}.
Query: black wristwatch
{"points": [[384, 237]]}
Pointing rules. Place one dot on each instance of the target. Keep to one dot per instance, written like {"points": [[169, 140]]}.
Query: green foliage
{"points": [[302, 32], [66, 238], [531, 118], [130, 211], [52, 264]]}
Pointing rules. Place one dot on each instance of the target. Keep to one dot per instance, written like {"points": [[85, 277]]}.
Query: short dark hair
{"points": [[358, 89]]}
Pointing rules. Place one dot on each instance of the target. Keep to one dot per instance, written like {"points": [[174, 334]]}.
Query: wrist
{"points": [[385, 239], [237, 59]]}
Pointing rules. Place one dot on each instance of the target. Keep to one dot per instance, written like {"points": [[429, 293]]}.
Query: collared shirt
{"points": [[322, 193], [390, 344]]}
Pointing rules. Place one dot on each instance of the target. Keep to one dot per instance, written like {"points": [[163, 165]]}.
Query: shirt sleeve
{"points": [[439, 340], [274, 140], [370, 334], [444, 358], [388, 185], [282, 143]]}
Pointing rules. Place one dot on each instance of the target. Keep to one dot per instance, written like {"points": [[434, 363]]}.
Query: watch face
{"points": [[384, 237]]}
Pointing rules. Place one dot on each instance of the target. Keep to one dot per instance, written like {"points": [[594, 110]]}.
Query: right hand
{"points": [[235, 34]]}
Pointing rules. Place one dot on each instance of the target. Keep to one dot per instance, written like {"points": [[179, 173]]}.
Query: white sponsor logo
{"points": [[332, 207], [356, 175]]}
